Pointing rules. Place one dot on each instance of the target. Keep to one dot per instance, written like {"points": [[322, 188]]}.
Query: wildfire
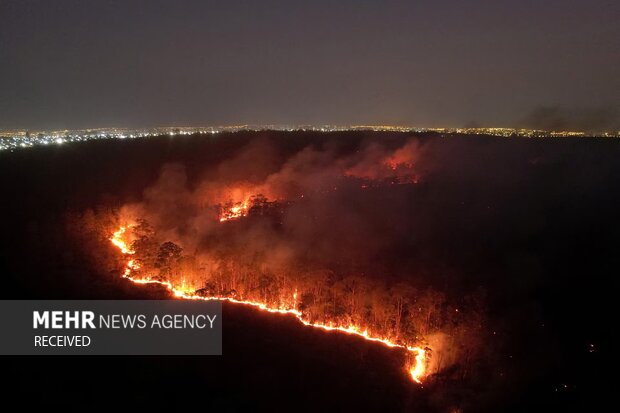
{"points": [[237, 210], [185, 291], [118, 241]]}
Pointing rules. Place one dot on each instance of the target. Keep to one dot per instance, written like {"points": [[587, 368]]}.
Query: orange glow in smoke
{"points": [[417, 369]]}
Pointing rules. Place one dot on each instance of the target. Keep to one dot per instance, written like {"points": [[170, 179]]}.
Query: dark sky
{"points": [[427, 63]]}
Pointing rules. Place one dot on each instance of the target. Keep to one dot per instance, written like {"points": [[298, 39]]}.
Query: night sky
{"points": [[74, 64]]}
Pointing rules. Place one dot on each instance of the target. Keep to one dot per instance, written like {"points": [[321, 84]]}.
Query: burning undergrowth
{"points": [[473, 249], [313, 234]]}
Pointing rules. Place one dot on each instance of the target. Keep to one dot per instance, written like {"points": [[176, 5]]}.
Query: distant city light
{"points": [[21, 139]]}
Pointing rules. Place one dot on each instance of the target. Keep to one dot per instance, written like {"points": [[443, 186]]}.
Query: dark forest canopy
{"points": [[528, 228]]}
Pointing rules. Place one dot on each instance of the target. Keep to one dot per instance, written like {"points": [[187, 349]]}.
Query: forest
{"points": [[484, 250], [224, 238]]}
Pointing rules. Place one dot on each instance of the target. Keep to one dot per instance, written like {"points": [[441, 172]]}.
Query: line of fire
{"points": [[236, 249]]}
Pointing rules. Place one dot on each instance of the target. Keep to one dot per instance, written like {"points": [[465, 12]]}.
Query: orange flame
{"points": [[118, 241], [237, 210], [185, 291]]}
